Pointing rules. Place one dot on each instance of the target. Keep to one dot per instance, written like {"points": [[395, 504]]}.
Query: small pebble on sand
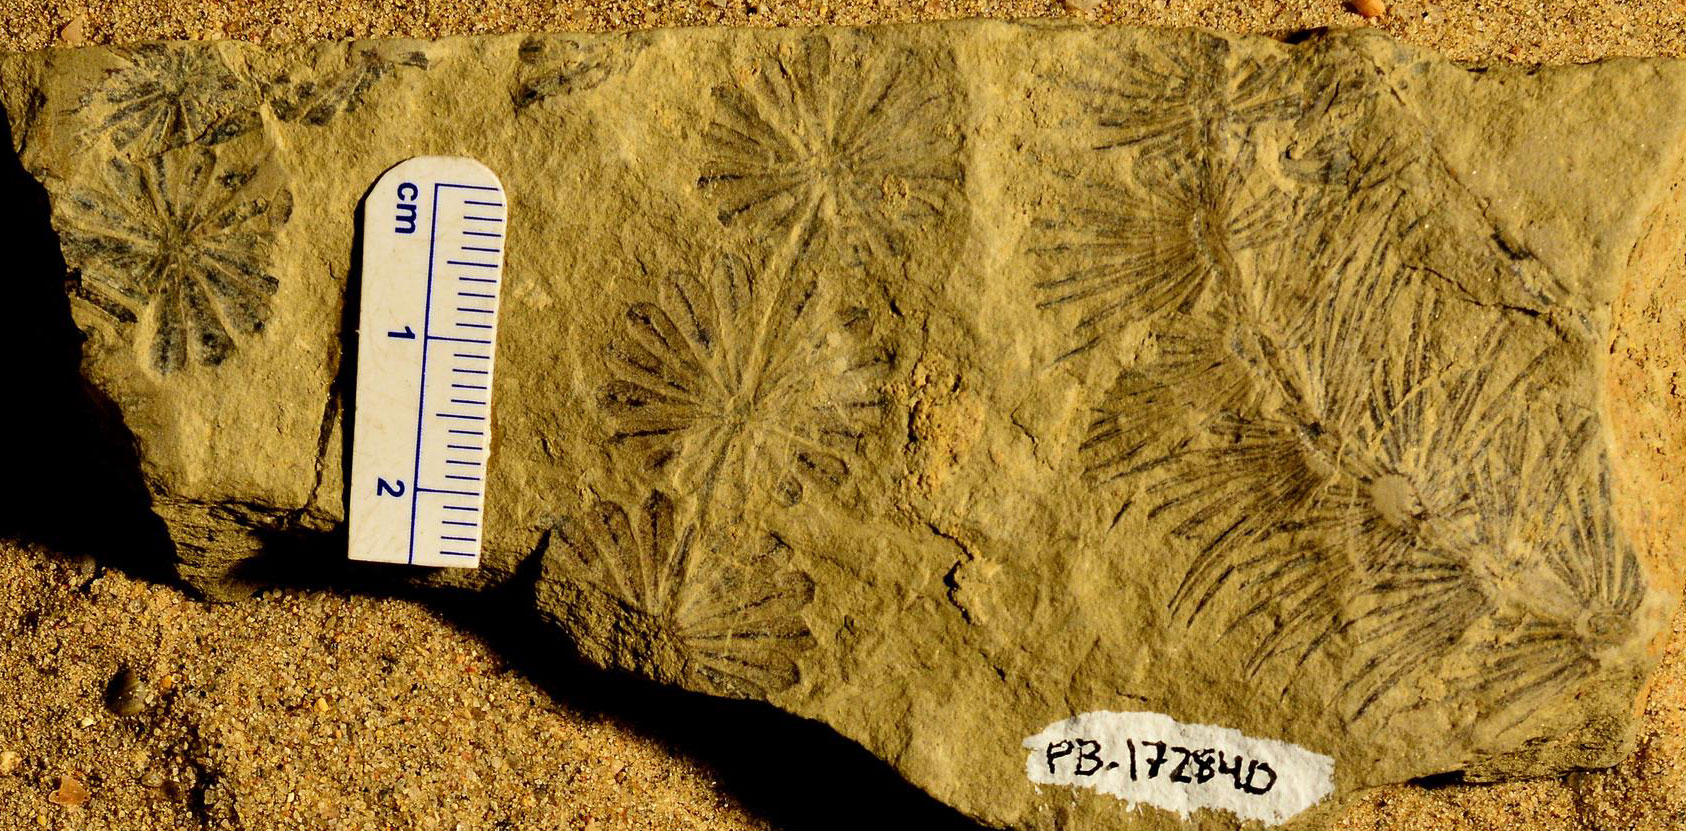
{"points": [[10, 761], [71, 792], [75, 32], [125, 695], [1369, 8]]}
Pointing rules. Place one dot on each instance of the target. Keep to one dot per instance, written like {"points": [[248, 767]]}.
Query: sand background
{"points": [[312, 708]]}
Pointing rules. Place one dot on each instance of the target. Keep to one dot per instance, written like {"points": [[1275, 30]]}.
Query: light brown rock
{"points": [[940, 383], [74, 32], [70, 793], [1368, 8]]}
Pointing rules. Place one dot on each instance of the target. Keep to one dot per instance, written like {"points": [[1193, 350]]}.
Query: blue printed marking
{"points": [[427, 335], [477, 279], [464, 447], [458, 522], [472, 294], [467, 401], [476, 311], [461, 462], [477, 326], [458, 539], [421, 402], [469, 386], [463, 478]]}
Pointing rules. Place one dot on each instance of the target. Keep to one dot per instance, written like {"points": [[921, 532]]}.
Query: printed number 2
{"points": [[384, 489], [406, 334]]}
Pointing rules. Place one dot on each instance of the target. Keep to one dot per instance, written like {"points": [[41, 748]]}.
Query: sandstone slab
{"points": [[995, 394]]}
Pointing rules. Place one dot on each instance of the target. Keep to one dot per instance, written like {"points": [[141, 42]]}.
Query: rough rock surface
{"points": [[941, 383]]}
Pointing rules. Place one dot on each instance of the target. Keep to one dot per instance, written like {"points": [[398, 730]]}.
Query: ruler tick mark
{"points": [[451, 492]]}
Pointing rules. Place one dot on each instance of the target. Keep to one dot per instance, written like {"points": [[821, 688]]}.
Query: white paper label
{"points": [[1152, 759], [433, 236]]}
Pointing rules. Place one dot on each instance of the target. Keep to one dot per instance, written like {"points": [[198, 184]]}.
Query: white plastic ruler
{"points": [[433, 238]]}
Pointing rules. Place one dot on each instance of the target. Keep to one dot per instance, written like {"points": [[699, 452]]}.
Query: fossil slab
{"points": [[1105, 427]]}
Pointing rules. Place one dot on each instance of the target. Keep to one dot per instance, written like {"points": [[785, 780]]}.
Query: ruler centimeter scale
{"points": [[433, 239]]}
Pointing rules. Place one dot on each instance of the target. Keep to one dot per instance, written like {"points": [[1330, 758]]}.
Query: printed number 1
{"points": [[384, 489], [406, 334]]}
